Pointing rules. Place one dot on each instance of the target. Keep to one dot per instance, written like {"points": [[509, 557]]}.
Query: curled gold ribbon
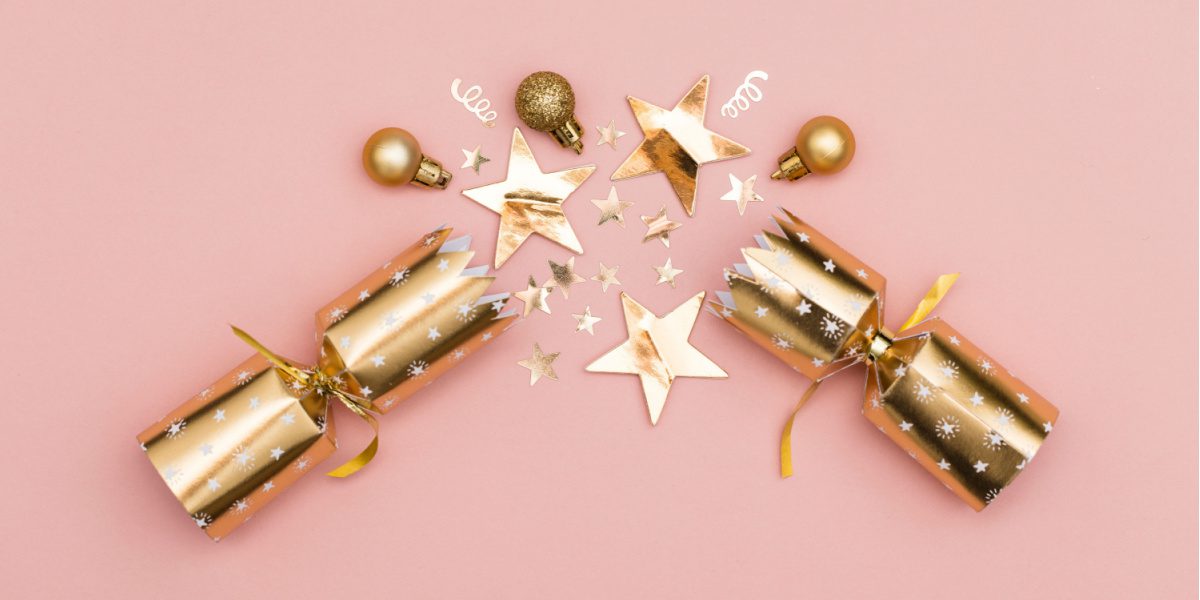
{"points": [[321, 383], [941, 286]]}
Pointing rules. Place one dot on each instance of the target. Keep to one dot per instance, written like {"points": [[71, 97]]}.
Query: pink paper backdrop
{"points": [[172, 167]]}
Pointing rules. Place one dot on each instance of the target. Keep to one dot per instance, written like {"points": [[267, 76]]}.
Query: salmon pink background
{"points": [[171, 167]]}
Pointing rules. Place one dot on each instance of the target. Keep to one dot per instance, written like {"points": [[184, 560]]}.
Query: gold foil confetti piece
{"points": [[667, 273], [742, 192], [563, 276], [659, 227], [586, 321], [540, 365], [607, 276], [474, 159], [612, 208], [609, 135]]}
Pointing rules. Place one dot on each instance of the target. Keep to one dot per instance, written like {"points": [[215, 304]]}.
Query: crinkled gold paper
{"points": [[237, 444], [952, 407]]}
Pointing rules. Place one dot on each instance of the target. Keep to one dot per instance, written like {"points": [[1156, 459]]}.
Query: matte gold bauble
{"points": [[546, 102], [825, 145], [392, 157]]}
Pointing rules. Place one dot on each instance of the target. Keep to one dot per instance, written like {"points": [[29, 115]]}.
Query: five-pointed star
{"points": [[659, 227], [658, 351], [533, 296], [475, 159], [742, 192], [530, 201], [563, 276], [612, 208], [606, 277], [539, 365], [585, 321], [609, 135], [676, 143], [667, 273]]}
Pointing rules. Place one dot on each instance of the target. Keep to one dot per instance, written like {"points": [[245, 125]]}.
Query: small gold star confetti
{"points": [[606, 277], [667, 273], [534, 296], [742, 192], [676, 143], [540, 365], [563, 276], [475, 159], [586, 321], [609, 135], [658, 351], [530, 201], [659, 227], [612, 208]]}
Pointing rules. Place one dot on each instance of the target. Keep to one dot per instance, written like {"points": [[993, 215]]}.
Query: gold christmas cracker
{"points": [[232, 448], [954, 409]]}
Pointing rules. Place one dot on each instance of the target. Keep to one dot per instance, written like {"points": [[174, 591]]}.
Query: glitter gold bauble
{"points": [[825, 145], [546, 102], [392, 156]]}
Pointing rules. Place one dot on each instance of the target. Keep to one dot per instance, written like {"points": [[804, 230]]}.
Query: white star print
{"points": [[201, 520], [428, 297], [363, 295], [244, 458], [254, 403], [861, 273], [378, 360], [288, 418], [268, 486], [782, 343], [949, 369], [171, 474], [365, 391], [818, 362], [302, 464], [498, 305], [829, 266], [206, 449], [243, 377], [804, 307], [980, 466], [830, 327], [1047, 427], [954, 340], [760, 312], [943, 465], [985, 366], [241, 505], [905, 426], [219, 415], [976, 399], [417, 368], [213, 484], [1023, 398], [276, 452], [433, 334], [1005, 416], [803, 237], [947, 427], [175, 428], [924, 394], [443, 265], [337, 313], [344, 343], [992, 440], [399, 277], [459, 353], [487, 336], [901, 370]]}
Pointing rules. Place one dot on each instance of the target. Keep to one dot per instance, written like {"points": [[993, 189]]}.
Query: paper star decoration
{"points": [[659, 227], [742, 192], [534, 296], [539, 365], [586, 321], [658, 351], [676, 143], [475, 159], [530, 201], [667, 273], [609, 135], [612, 208], [606, 277], [563, 276]]}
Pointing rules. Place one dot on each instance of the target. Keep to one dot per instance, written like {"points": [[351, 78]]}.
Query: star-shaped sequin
{"points": [[667, 273], [659, 227], [540, 365], [606, 277], [474, 159], [586, 321], [609, 135], [742, 192], [612, 208], [563, 276], [533, 296]]}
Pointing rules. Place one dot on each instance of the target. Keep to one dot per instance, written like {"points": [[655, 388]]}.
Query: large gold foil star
{"points": [[676, 143], [530, 201], [658, 351]]}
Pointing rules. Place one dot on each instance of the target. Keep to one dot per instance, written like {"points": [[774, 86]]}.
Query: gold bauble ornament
{"points": [[392, 156], [546, 102], [825, 145]]}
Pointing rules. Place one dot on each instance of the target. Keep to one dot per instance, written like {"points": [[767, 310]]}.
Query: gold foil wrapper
{"points": [[952, 407], [237, 444]]}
